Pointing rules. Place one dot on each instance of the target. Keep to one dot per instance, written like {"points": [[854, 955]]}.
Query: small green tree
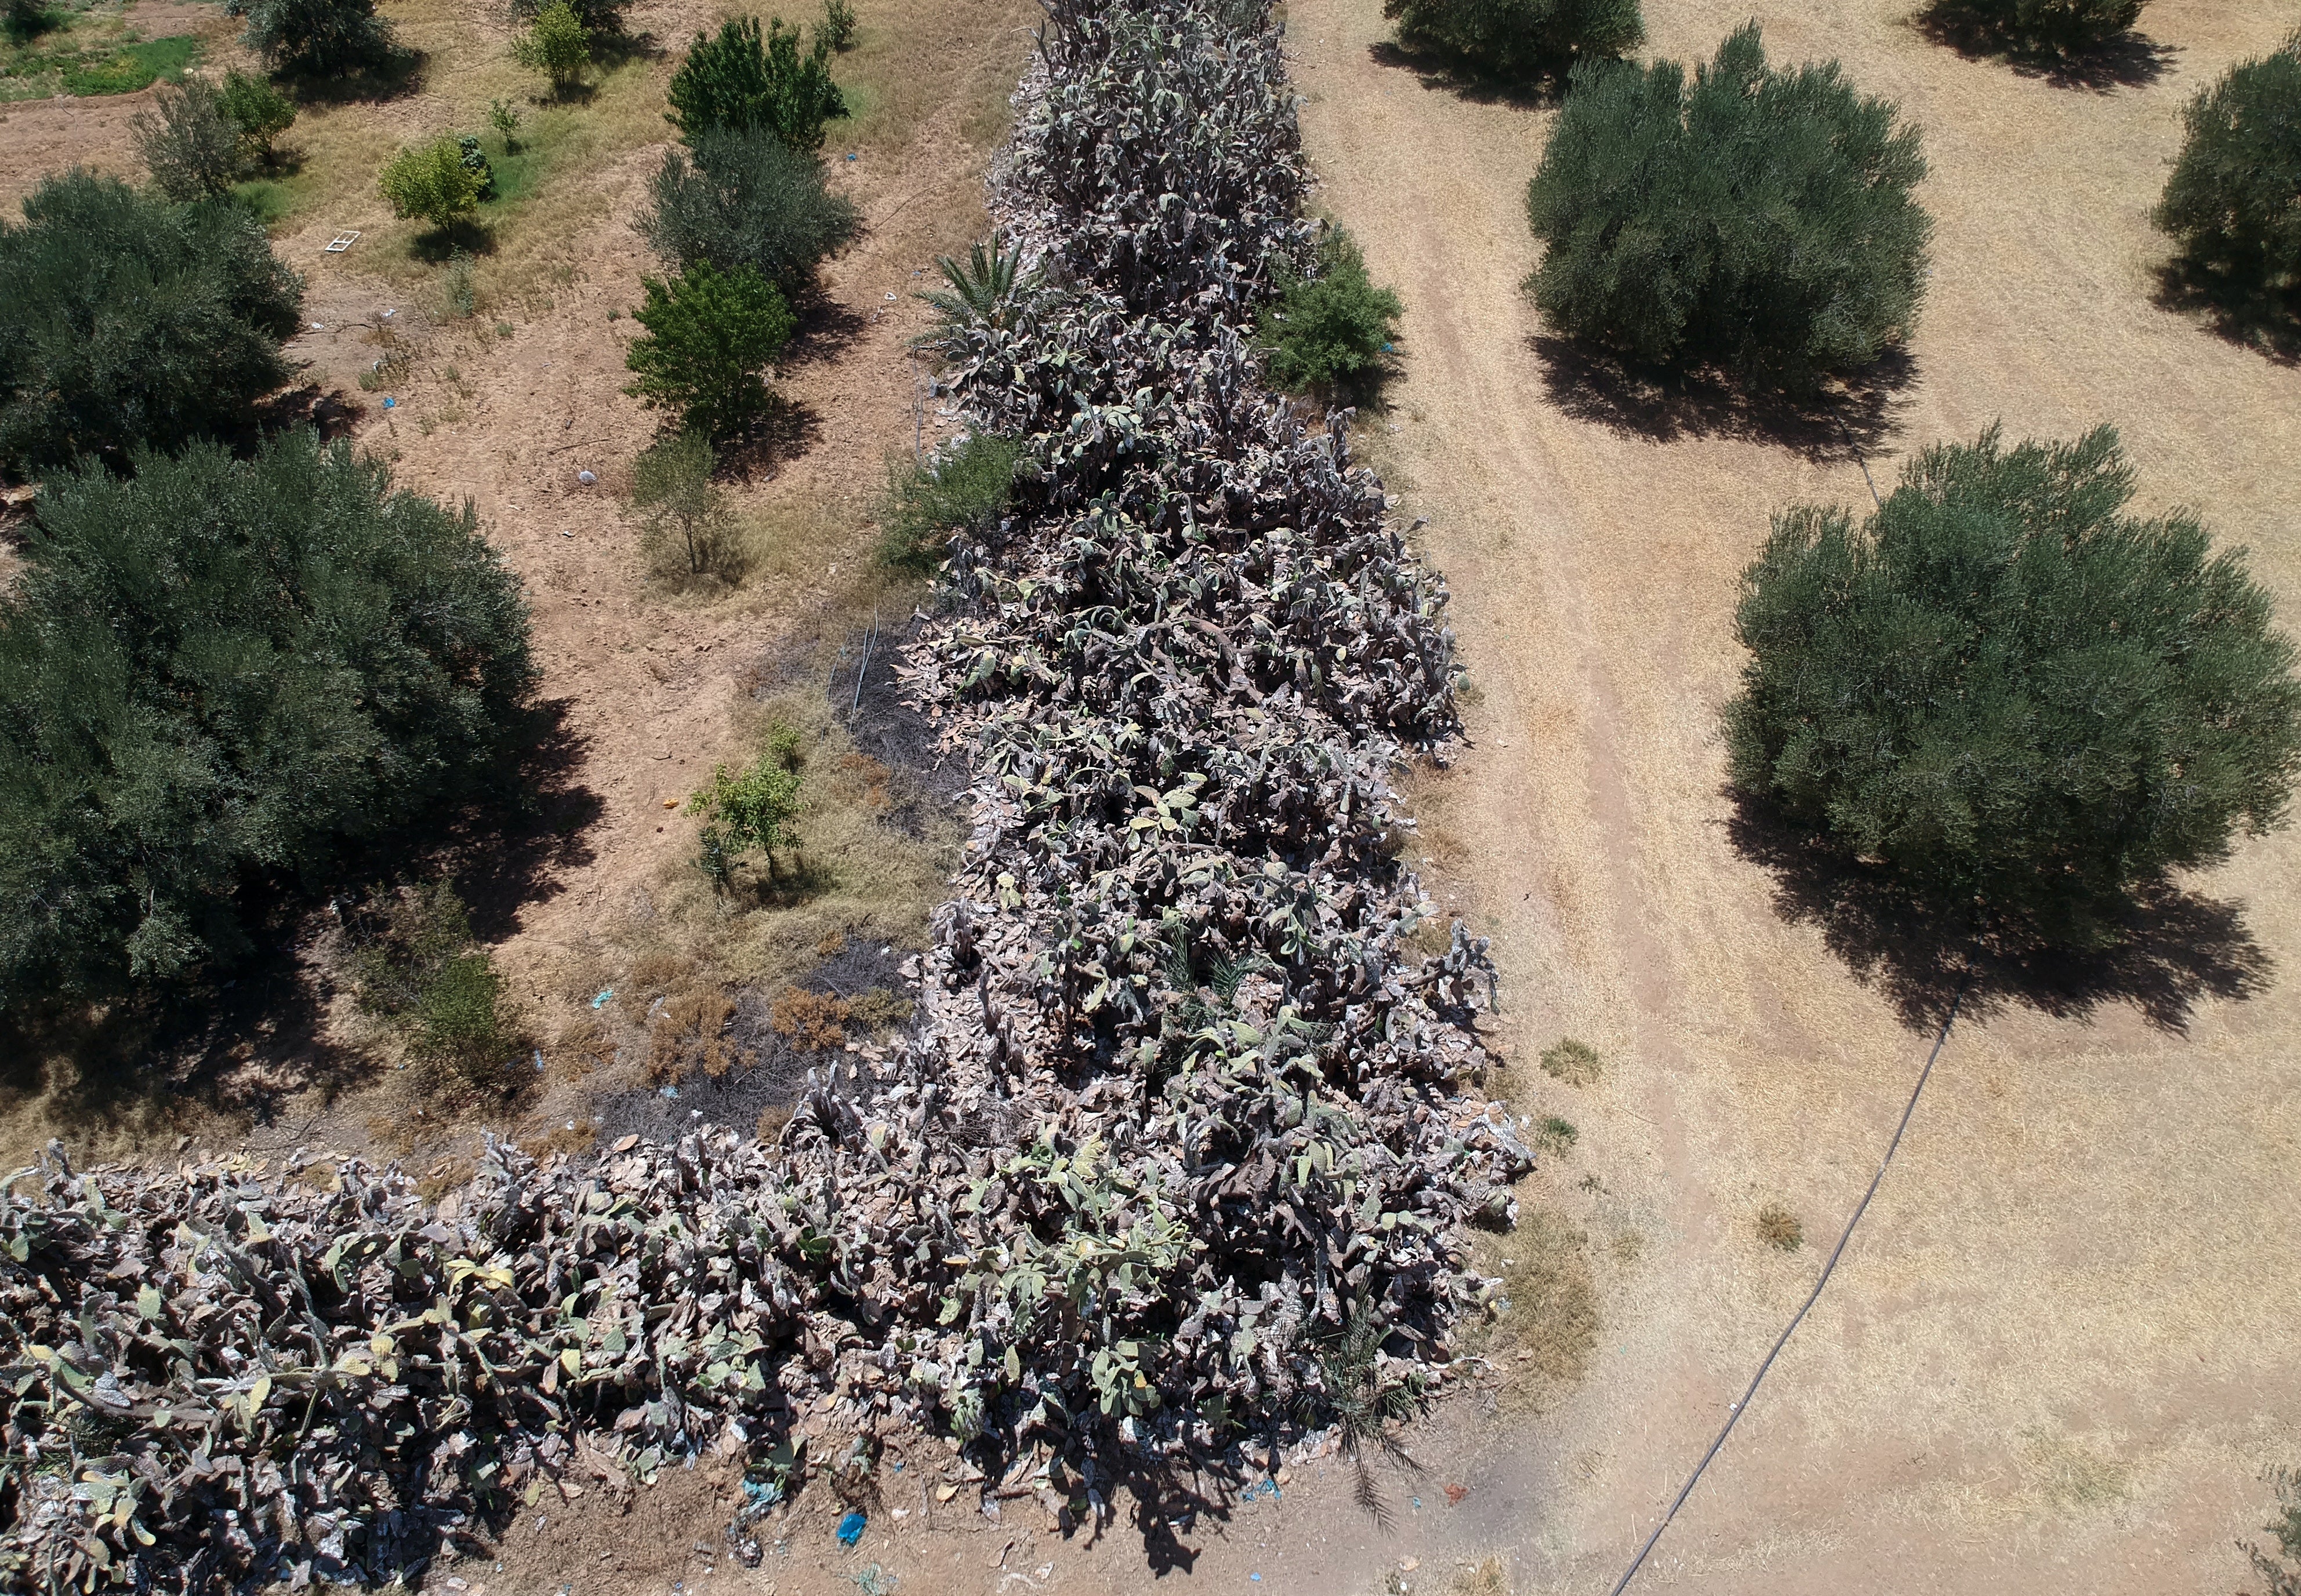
{"points": [[322, 38], [1518, 39], [1328, 331], [559, 46], [602, 18], [2010, 692], [966, 488], [754, 808], [709, 336], [430, 182], [2233, 202], [415, 964], [1758, 221], [193, 147], [259, 111], [126, 322], [745, 198], [226, 673], [503, 116], [2027, 25], [741, 79], [839, 23], [682, 508]]}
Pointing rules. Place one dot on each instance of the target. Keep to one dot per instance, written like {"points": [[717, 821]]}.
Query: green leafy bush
{"points": [[745, 198], [1329, 331], [226, 671], [683, 511], [2008, 691], [25, 21], [126, 321], [1518, 39], [258, 110], [1759, 221], [430, 182], [2062, 25], [964, 489], [601, 18], [323, 38], [839, 23], [2234, 201], [503, 116], [709, 336], [559, 46], [2280, 1565], [741, 79], [752, 810], [416, 965], [194, 149]]}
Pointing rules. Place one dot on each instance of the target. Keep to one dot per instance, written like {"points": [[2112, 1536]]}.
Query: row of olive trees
{"points": [[2019, 698]]}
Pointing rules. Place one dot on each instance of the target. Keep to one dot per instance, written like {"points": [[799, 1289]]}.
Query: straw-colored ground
{"points": [[2061, 1349]]}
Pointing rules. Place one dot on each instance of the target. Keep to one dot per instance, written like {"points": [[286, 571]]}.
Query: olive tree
{"points": [[2016, 696], [1755, 219], [127, 321], [229, 672]]}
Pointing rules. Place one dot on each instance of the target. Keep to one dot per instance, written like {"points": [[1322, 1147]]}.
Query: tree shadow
{"points": [[2263, 318], [2172, 949], [463, 235], [612, 50], [825, 329], [400, 73], [2126, 60], [241, 1042], [788, 428], [1854, 416], [1464, 80]]}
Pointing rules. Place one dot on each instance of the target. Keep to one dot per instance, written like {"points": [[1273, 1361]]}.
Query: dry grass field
{"points": [[2061, 1350]]}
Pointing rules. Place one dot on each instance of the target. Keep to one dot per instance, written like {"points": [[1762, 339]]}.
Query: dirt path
{"points": [[2059, 1344]]}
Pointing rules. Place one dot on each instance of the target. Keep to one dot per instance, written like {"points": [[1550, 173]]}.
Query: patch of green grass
{"points": [[267, 199], [85, 62], [516, 170]]}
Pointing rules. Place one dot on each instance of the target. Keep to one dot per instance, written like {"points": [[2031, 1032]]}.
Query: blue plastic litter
{"points": [[1386, 349], [850, 154], [539, 1061], [670, 1091], [391, 404], [850, 1529], [601, 1001], [1257, 1578]]}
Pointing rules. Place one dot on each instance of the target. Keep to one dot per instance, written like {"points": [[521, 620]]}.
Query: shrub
{"points": [[2060, 25], [430, 182], [225, 673], [193, 147], [2009, 692], [1330, 330], [2234, 200], [1518, 39], [1759, 221], [128, 321], [989, 292], [754, 808], [2281, 1567], [320, 37], [601, 18], [965, 489], [25, 21], [559, 46], [503, 116], [459, 293], [1555, 1136], [745, 198], [742, 80], [682, 508], [709, 335], [417, 966], [475, 161], [1778, 1227], [258, 110], [839, 23], [1575, 1062]]}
